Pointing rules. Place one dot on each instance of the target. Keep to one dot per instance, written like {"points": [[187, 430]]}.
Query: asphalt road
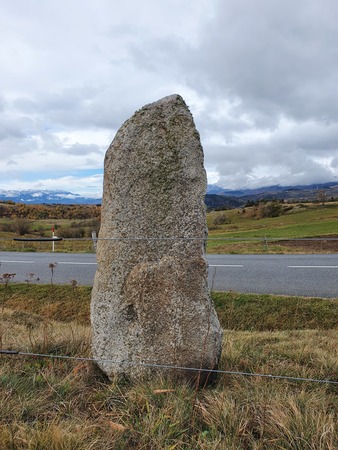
{"points": [[305, 275]]}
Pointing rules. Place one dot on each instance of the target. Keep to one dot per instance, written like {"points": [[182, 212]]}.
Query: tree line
{"points": [[11, 210]]}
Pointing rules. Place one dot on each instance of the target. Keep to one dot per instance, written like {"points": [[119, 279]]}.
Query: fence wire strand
{"points": [[165, 366], [177, 238]]}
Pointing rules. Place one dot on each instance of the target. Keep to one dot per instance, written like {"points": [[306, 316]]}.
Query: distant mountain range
{"points": [[216, 197], [32, 196]]}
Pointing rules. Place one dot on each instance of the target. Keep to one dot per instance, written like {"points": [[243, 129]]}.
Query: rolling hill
{"points": [[216, 197]]}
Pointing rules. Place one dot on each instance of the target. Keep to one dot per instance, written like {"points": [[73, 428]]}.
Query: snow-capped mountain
{"points": [[216, 196], [32, 196]]}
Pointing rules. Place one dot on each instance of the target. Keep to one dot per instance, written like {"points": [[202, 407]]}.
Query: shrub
{"points": [[221, 219], [22, 226], [7, 227], [72, 233]]}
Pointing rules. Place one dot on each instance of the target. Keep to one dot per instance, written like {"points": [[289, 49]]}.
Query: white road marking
{"points": [[18, 261], [313, 267], [77, 263], [225, 265]]}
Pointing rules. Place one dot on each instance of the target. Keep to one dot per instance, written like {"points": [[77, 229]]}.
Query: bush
{"points": [[264, 210], [221, 219], [7, 227], [72, 233], [22, 226]]}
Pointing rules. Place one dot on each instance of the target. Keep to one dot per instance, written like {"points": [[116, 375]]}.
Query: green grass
{"points": [[236, 311], [312, 221], [58, 302], [313, 214], [43, 228], [277, 230], [64, 246], [257, 312], [65, 404]]}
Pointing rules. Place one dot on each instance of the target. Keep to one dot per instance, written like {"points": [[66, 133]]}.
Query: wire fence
{"points": [[173, 238], [223, 244], [166, 366]]}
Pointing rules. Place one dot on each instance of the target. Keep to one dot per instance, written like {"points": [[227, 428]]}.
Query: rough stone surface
{"points": [[150, 300]]}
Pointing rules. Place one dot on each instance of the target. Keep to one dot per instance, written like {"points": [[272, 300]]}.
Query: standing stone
{"points": [[150, 300]]}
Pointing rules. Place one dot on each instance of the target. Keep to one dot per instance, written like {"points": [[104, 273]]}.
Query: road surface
{"points": [[305, 275]]}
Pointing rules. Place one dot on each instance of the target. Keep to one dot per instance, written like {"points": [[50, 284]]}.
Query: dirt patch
{"points": [[321, 244]]}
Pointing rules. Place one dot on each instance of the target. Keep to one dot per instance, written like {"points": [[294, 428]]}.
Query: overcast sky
{"points": [[260, 78]]}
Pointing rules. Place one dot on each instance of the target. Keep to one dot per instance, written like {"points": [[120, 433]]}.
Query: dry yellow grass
{"points": [[67, 404]]}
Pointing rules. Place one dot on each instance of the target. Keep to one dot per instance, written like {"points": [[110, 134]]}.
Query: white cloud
{"points": [[259, 77], [89, 186]]}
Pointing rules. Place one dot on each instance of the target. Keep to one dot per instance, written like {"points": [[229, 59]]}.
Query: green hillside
{"points": [[244, 231]]}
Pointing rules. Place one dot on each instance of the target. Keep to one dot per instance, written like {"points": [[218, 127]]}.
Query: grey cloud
{"points": [[10, 129], [82, 107], [82, 149], [273, 60], [10, 162], [257, 165], [274, 56], [2, 104], [334, 163]]}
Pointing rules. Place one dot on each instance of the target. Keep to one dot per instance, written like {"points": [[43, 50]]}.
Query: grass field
{"points": [[243, 233], [303, 221], [64, 404], [43, 228]]}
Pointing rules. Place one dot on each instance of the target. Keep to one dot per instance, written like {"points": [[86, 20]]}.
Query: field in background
{"points": [[233, 231], [252, 234], [65, 404]]}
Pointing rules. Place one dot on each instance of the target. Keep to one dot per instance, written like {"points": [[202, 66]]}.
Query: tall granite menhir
{"points": [[150, 300]]}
